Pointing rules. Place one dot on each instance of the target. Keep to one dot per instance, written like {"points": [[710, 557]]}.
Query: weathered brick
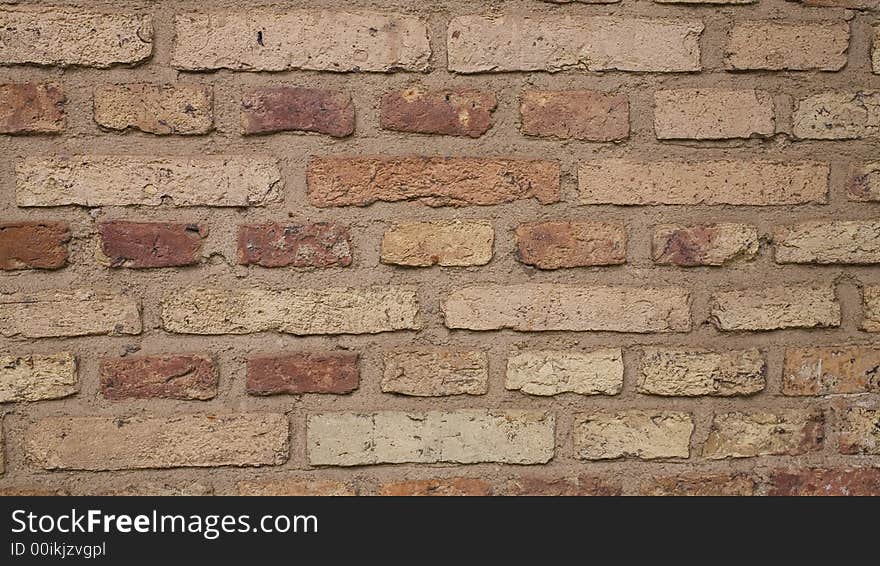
{"points": [[688, 373], [147, 181], [183, 376], [33, 245], [831, 370], [461, 436], [316, 40], [478, 44], [437, 487], [837, 116], [303, 372], [435, 181], [708, 114], [435, 373], [445, 112], [30, 490], [871, 308], [332, 310], [745, 435], [559, 244], [37, 377], [285, 108], [141, 488], [875, 50], [301, 487], [140, 245], [31, 108], [117, 443], [447, 243], [550, 372], [859, 431], [588, 115], [772, 308], [817, 481], [704, 244], [863, 184], [575, 486], [851, 4], [701, 485], [66, 37], [156, 109], [787, 46], [828, 241], [755, 183], [76, 312], [568, 307], [321, 244], [633, 434]]}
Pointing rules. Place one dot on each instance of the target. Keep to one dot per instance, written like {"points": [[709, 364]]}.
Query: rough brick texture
{"points": [[33, 245], [37, 377], [633, 434], [552, 245], [279, 109], [744, 435], [688, 374], [871, 306], [150, 244], [547, 372], [813, 482], [423, 244], [831, 370], [775, 308], [449, 112], [435, 373], [704, 244], [79, 312], [155, 109], [712, 114], [829, 242], [710, 485], [787, 46], [859, 430], [164, 377], [307, 372], [32, 108], [581, 114], [321, 244]]}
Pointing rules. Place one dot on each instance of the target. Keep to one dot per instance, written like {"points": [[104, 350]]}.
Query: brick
{"points": [[859, 431], [711, 114], [787, 46], [116, 443], [31, 491], [461, 436], [831, 241], [560, 244], [285, 108], [754, 183], [32, 108], [817, 481], [689, 373], [331, 310], [65, 37], [435, 181], [588, 115], [445, 112], [303, 372], [875, 50], [76, 312], [701, 485], [435, 373], [37, 377], [147, 181], [831, 370], [437, 487], [704, 244], [315, 40], [478, 44], [156, 489], [582, 485], [156, 109], [745, 435], [183, 376], [33, 245], [300, 487], [633, 434], [871, 308], [772, 308], [837, 116], [320, 244], [863, 184], [851, 4], [567, 307], [140, 245], [551, 372], [454, 243]]}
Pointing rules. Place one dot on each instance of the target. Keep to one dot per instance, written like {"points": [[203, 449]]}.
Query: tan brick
{"points": [[156, 109], [863, 184], [300, 487], [77, 312], [817, 481], [447, 243], [333, 310], [875, 50], [437, 487], [582, 485], [828, 241], [859, 431], [831, 370], [688, 373], [567, 307], [704, 244], [444, 112], [757, 183], [588, 115], [772, 308], [745, 435], [461, 436], [837, 116], [633, 434], [559, 244], [317, 40], [707, 114], [701, 485], [115, 443], [871, 308], [147, 181], [551, 372], [560, 42], [793, 46], [37, 377], [32, 108], [435, 373]]}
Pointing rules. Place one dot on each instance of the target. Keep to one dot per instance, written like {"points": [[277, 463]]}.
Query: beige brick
{"points": [[706, 114], [757, 183], [834, 241], [333, 310], [859, 430], [157, 109], [37, 377], [551, 372], [837, 116], [447, 243], [689, 373], [704, 244], [744, 435], [560, 42], [794, 46], [116, 443], [875, 50], [871, 307], [317, 40], [863, 183], [633, 434], [78, 312], [831, 370], [147, 181], [435, 373], [461, 436], [568, 307], [790, 306]]}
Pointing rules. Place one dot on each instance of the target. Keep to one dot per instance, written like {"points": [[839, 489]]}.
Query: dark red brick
{"points": [[859, 481], [164, 377], [447, 112], [303, 372], [33, 245], [296, 245], [31, 108], [279, 109], [139, 245]]}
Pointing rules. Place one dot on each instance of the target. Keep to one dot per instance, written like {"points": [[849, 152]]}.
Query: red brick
{"points": [[581, 485], [442, 486], [285, 108], [814, 481], [446, 112], [32, 108], [320, 244], [304, 372], [553, 245], [701, 485], [33, 245], [579, 114], [164, 377], [140, 245]]}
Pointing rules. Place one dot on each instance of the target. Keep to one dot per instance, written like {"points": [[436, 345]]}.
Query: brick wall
{"points": [[506, 247]]}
